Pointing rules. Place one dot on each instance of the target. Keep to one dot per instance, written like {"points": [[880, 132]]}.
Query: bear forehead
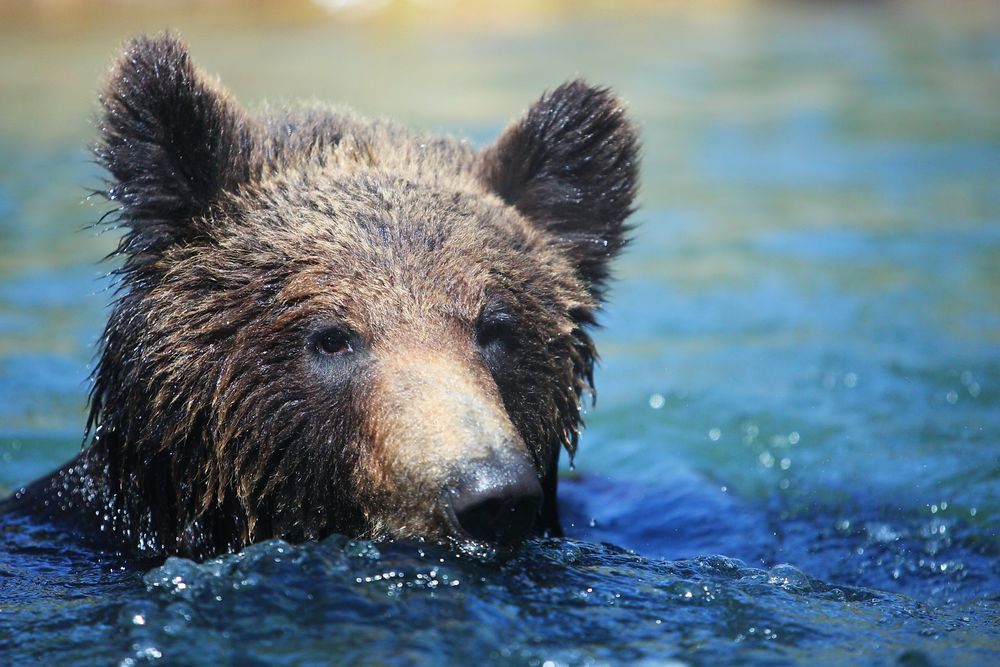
{"points": [[377, 249]]}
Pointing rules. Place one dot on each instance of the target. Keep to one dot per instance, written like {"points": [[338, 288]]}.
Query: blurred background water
{"points": [[796, 451]]}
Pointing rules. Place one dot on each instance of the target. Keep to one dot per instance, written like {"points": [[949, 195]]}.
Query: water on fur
{"points": [[795, 458]]}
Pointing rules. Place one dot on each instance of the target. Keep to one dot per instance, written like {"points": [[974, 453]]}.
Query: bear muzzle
{"points": [[451, 465]]}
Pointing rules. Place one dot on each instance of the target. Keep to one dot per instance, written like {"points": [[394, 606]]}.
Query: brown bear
{"points": [[329, 324]]}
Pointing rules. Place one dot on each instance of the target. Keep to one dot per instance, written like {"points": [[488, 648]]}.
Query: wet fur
{"points": [[210, 427]]}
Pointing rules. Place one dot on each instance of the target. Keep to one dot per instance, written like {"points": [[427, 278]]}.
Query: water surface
{"points": [[795, 458]]}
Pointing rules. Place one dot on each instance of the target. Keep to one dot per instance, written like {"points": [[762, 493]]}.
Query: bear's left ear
{"points": [[570, 165]]}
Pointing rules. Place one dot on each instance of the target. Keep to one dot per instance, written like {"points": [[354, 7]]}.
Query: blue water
{"points": [[795, 454]]}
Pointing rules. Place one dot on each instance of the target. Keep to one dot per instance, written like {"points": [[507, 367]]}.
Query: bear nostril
{"points": [[497, 501]]}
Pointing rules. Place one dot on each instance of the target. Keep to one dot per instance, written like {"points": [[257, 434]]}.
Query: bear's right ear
{"points": [[172, 140]]}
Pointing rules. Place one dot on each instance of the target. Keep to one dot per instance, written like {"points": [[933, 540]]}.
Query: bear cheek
{"points": [[446, 459]]}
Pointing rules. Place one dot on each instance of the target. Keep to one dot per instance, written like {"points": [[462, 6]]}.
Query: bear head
{"points": [[329, 324]]}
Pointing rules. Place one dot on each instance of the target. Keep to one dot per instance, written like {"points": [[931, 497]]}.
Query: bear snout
{"points": [[494, 500]]}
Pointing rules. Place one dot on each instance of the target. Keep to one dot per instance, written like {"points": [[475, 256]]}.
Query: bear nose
{"points": [[496, 500]]}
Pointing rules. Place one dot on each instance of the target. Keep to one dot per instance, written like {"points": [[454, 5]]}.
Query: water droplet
{"points": [[149, 653]]}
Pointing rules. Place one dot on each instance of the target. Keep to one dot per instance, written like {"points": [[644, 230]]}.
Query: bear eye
{"points": [[333, 341], [496, 328]]}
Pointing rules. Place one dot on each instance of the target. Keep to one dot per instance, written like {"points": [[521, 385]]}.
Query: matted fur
{"points": [[467, 280]]}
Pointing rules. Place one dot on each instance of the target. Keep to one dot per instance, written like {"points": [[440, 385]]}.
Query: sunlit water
{"points": [[795, 457]]}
